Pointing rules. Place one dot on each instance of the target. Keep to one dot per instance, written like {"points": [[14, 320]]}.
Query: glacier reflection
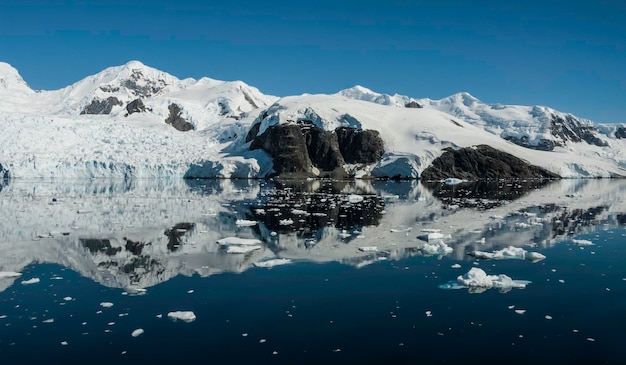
{"points": [[136, 234]]}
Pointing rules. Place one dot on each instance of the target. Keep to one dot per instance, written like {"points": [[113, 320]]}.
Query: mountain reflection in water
{"points": [[137, 234]]}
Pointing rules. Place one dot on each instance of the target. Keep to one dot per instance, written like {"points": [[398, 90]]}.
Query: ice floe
{"points": [[31, 281], [9, 274], [430, 236], [137, 332], [272, 263], [353, 198], [242, 249], [245, 223], [477, 281], [506, 253], [106, 304], [436, 248], [186, 316], [582, 242]]}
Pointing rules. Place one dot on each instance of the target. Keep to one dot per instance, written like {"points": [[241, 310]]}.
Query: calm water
{"points": [[151, 248]]}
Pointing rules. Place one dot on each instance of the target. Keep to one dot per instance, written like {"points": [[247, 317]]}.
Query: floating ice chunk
{"points": [[137, 332], [520, 311], [67, 299], [49, 320], [477, 278], [9, 274], [548, 317], [506, 253], [31, 281], [242, 249], [431, 236], [452, 181], [456, 266], [285, 222], [582, 242], [368, 249], [400, 230], [63, 343], [437, 248], [353, 198], [186, 316], [227, 241], [272, 263], [300, 212], [245, 223], [106, 304]]}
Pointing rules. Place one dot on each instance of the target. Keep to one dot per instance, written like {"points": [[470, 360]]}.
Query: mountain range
{"points": [[134, 121]]}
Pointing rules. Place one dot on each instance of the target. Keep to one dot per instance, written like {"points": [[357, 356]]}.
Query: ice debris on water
{"points": [[452, 181], [353, 198], [436, 248], [510, 252], [239, 245], [477, 281], [582, 242], [186, 316], [106, 304], [137, 332], [431, 236], [456, 266], [245, 223], [273, 262], [31, 281]]}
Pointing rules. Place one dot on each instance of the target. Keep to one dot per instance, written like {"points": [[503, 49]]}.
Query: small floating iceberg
{"points": [[508, 253], [430, 236], [242, 249], [368, 249], [272, 263], [185, 316], [31, 281], [436, 248], [478, 281], [582, 242], [236, 241], [245, 223], [452, 181]]}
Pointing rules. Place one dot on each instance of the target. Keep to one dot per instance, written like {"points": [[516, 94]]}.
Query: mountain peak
{"points": [[10, 79]]}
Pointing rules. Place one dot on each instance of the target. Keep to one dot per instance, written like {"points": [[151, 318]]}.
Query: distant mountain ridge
{"points": [[127, 121]]}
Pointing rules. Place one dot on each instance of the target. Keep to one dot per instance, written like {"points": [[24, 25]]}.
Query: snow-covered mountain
{"points": [[134, 121]]}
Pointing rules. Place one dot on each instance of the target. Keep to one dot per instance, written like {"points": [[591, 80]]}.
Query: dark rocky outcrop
{"points": [[176, 120], [98, 106], [482, 162], [571, 129], [175, 233], [542, 145], [95, 245], [620, 133], [304, 150], [360, 146], [412, 104], [135, 106]]}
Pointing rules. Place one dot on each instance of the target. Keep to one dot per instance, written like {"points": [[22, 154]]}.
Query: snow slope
{"points": [[51, 134]]}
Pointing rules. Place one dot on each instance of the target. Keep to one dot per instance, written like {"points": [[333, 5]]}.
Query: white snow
{"points": [[242, 249], [368, 248], [436, 248], [186, 316], [236, 241], [143, 145]]}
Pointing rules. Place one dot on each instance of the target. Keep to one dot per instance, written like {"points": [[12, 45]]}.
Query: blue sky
{"points": [[569, 55]]}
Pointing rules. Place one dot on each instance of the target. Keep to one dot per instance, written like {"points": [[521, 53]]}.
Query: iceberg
{"points": [[31, 281], [272, 263], [506, 253], [242, 249], [185, 316], [245, 223], [228, 241], [477, 281], [437, 248]]}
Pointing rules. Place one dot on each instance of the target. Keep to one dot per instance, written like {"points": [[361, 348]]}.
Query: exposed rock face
{"points": [[176, 120], [482, 162], [175, 233], [571, 129], [95, 245], [542, 145], [360, 146], [412, 104], [306, 150], [620, 132], [98, 106], [135, 106]]}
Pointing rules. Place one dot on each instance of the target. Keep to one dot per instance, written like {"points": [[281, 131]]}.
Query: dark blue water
{"points": [[332, 313]]}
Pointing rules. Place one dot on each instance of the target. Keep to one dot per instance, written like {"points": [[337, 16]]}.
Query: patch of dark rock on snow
{"points": [[135, 106], [135, 247], [176, 120], [572, 129], [482, 162], [413, 104], [95, 246], [98, 106], [304, 150], [620, 133], [542, 145]]}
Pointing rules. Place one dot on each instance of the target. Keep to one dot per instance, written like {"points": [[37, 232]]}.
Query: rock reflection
{"points": [[141, 235]]}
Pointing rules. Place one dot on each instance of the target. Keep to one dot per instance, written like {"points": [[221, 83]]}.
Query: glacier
{"points": [[122, 123]]}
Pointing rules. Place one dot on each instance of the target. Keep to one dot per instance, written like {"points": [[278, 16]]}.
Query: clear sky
{"points": [[569, 55]]}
